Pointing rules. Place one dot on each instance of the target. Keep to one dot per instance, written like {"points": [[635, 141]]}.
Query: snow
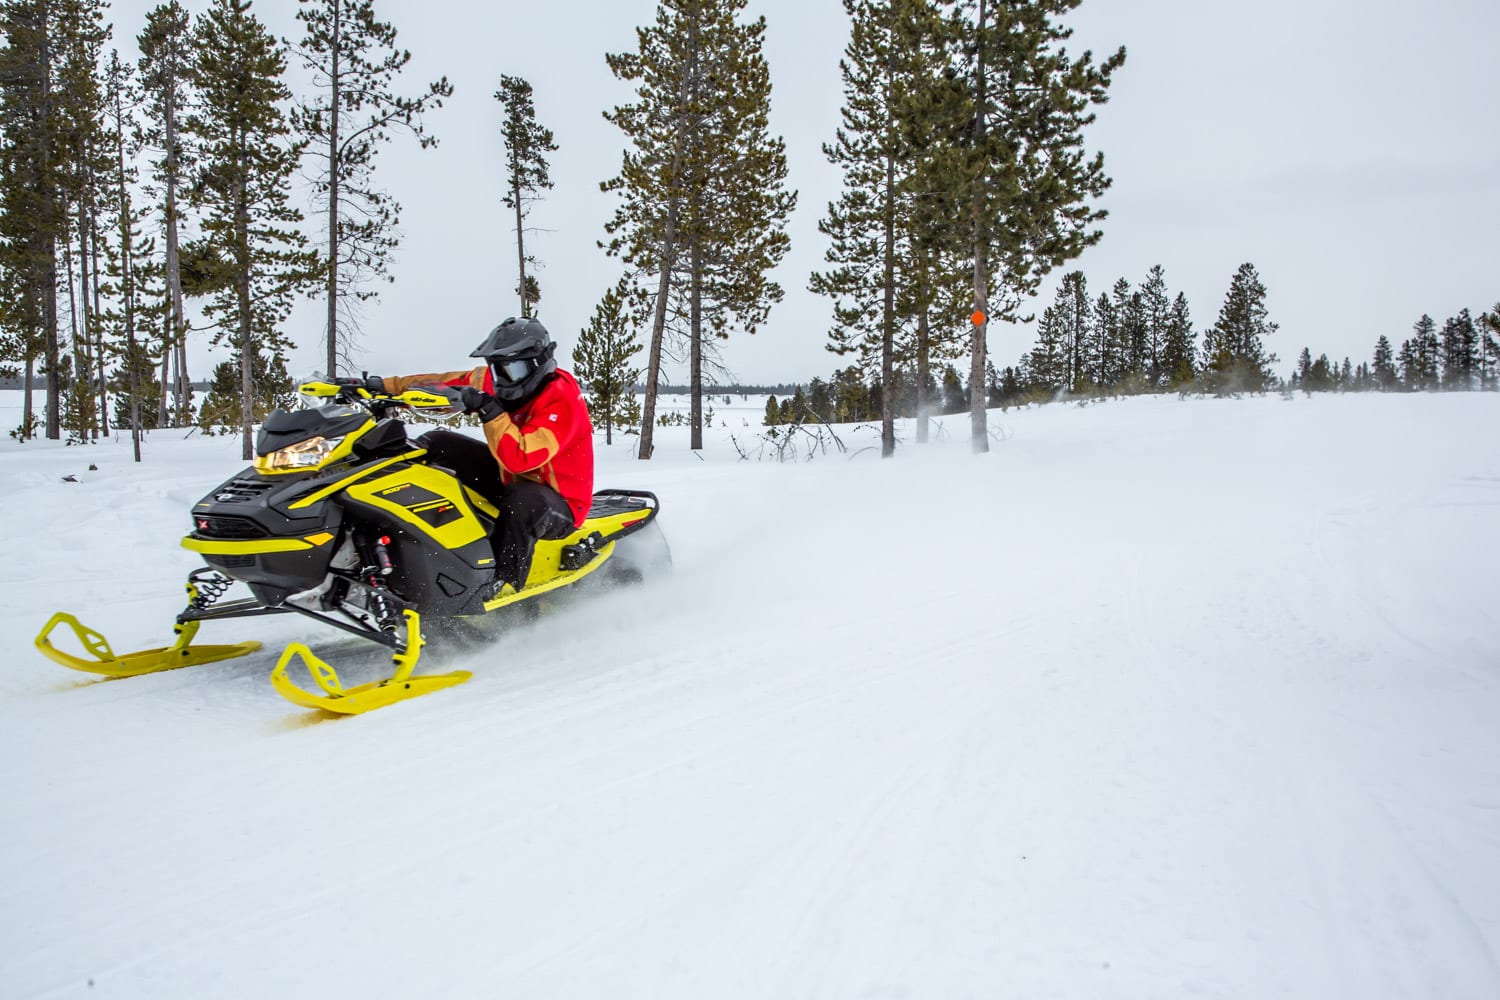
{"points": [[1160, 698]]}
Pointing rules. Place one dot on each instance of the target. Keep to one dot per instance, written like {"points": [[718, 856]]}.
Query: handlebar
{"points": [[436, 401]]}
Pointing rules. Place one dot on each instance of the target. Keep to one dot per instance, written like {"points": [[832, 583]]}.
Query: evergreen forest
{"points": [[147, 203]]}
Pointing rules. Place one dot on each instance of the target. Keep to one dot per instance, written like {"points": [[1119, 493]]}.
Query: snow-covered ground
{"points": [[1160, 698]]}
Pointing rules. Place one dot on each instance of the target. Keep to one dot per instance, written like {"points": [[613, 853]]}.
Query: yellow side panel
{"points": [[546, 558], [333, 488], [248, 547], [549, 578], [429, 501]]}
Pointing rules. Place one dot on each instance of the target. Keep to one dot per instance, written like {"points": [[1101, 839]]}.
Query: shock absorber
{"points": [[377, 566], [383, 555]]}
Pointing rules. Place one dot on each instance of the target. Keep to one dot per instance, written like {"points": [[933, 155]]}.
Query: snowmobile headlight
{"points": [[302, 455]]}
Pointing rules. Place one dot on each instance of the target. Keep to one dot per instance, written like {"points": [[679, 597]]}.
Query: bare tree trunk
{"points": [[888, 318], [242, 283], [888, 220], [924, 374], [663, 287], [99, 363], [333, 195], [515, 190], [27, 394], [659, 324], [83, 348], [51, 350], [695, 350], [978, 419], [46, 240], [127, 284], [80, 362], [176, 319], [669, 246], [247, 371], [165, 381]]}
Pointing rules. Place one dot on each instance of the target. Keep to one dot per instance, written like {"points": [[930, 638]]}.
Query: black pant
{"points": [[528, 510]]}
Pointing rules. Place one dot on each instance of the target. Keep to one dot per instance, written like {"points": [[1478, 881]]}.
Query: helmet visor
{"points": [[512, 372]]}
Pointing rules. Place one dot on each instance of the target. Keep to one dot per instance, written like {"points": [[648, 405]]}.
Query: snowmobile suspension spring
{"points": [[382, 607], [206, 588]]}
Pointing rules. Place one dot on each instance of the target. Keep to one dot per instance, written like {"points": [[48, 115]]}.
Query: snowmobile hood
{"points": [[283, 428]]}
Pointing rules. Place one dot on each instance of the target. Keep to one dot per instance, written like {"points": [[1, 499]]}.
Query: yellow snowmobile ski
{"points": [[148, 661], [401, 686]]}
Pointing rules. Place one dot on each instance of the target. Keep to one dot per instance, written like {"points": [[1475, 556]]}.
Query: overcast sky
{"points": [[1348, 148]]}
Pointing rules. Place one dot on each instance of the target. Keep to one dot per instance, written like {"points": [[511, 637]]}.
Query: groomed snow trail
{"points": [[1158, 699]]}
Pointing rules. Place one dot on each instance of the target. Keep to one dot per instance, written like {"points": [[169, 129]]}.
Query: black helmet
{"points": [[519, 353]]}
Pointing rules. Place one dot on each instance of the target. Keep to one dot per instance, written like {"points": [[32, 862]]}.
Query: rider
{"points": [[539, 463]]}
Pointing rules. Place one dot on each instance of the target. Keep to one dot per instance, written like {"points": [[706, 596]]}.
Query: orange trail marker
{"points": [[978, 318]]}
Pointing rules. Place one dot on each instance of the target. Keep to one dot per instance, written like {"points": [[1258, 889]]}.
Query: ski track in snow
{"points": [[1159, 699]]}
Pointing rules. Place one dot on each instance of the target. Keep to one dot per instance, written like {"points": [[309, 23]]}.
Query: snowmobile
{"points": [[341, 519]]}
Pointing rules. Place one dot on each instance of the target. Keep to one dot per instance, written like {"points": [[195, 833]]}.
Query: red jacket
{"points": [[551, 441]]}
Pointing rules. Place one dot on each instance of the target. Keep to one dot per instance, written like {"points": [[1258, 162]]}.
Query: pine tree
{"points": [[1410, 364], [851, 396], [820, 401], [933, 238], [1061, 360], [1104, 358], [873, 149], [1178, 346], [1156, 317], [81, 96], [1459, 352], [896, 231], [1320, 376], [1234, 355], [1489, 348], [135, 392], [703, 206], [165, 71], [1047, 364], [734, 232], [602, 361], [1384, 369], [1031, 180], [131, 276], [1420, 367], [1130, 343], [224, 406], [527, 144], [48, 112], [354, 62], [1074, 315], [248, 160]]}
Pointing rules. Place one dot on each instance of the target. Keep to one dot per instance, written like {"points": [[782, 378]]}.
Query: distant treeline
{"points": [[1132, 341], [734, 389], [17, 382]]}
